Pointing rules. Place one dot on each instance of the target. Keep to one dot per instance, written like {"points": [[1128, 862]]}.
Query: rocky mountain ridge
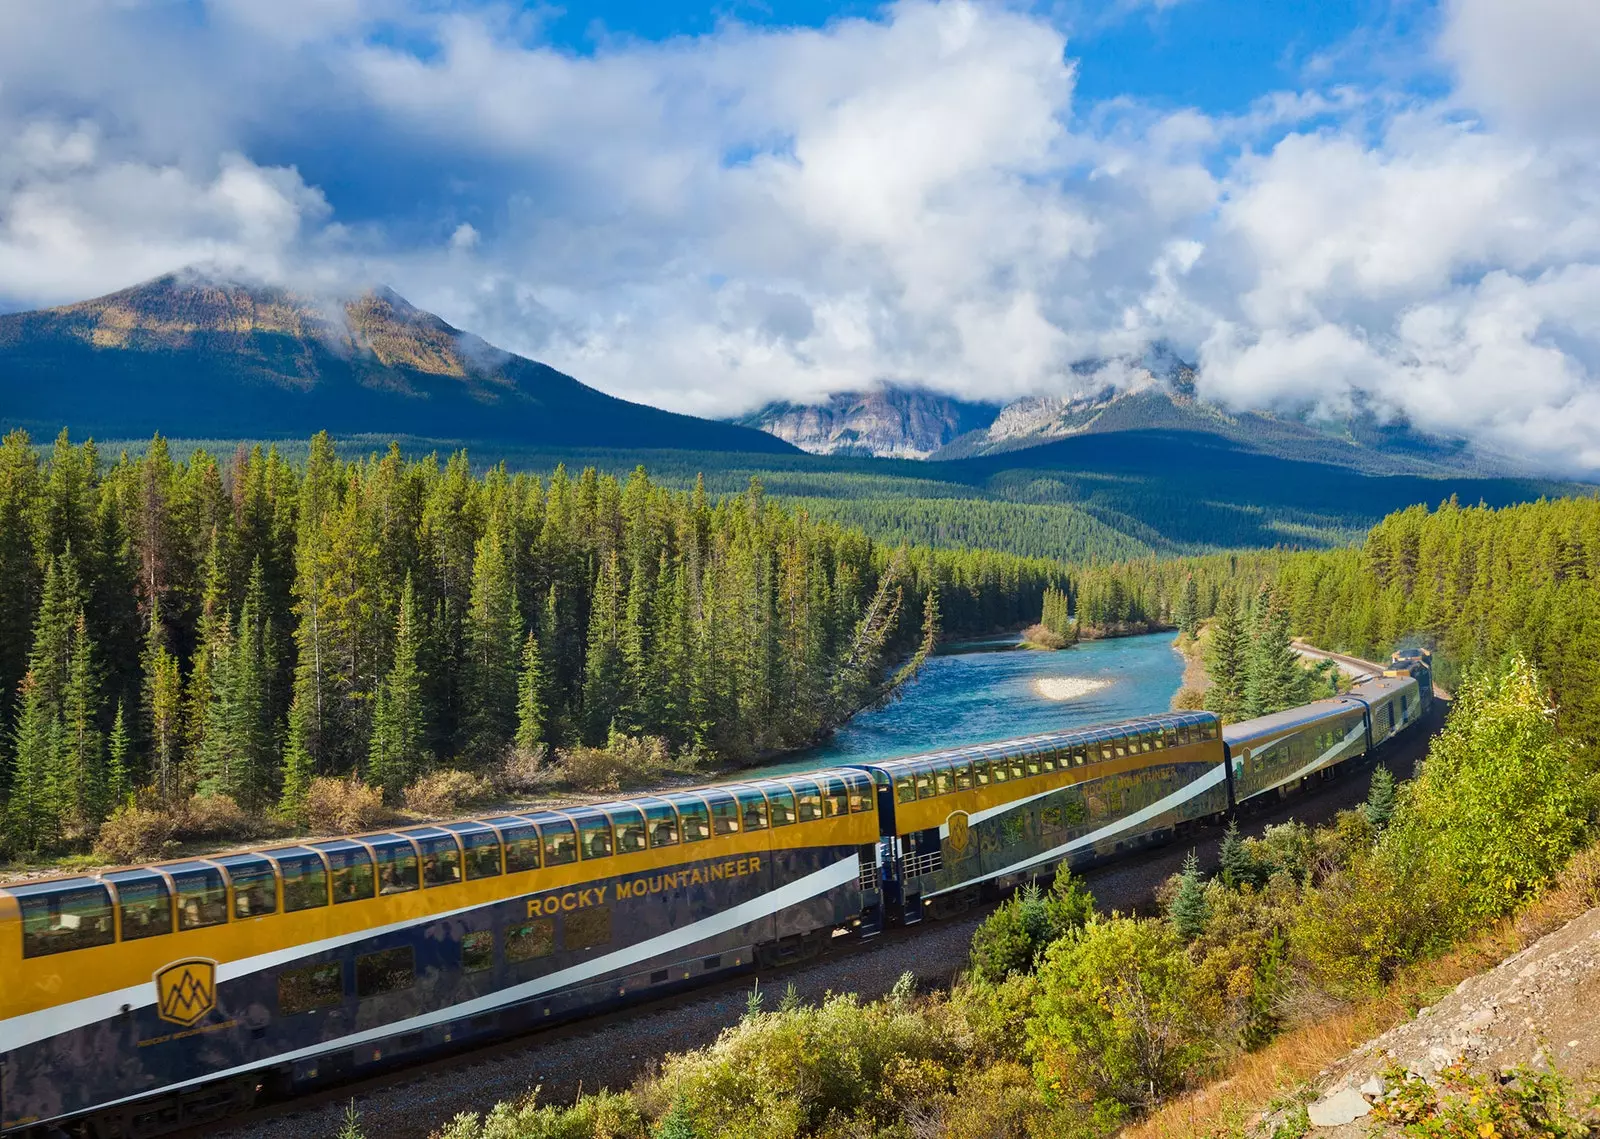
{"points": [[887, 422], [194, 356]]}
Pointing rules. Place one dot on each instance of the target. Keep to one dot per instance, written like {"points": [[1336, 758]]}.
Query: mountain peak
{"points": [[888, 421], [195, 353]]}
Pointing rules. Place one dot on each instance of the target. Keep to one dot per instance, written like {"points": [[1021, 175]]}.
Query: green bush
{"points": [[1116, 1023], [1014, 937], [604, 1115]]}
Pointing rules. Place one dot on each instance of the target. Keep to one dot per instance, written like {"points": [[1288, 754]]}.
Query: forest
{"points": [[242, 626]]}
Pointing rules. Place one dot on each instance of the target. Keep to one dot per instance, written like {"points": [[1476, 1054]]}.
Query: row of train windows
{"points": [[963, 774], [80, 916], [313, 987]]}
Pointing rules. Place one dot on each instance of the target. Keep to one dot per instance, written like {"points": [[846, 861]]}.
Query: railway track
{"points": [[612, 1049]]}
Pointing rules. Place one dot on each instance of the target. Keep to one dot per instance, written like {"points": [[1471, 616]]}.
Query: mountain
{"points": [[198, 358], [889, 422]]}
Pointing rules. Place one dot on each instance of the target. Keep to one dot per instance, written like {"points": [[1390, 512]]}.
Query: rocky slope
{"points": [[1539, 1008], [192, 356], [889, 422]]}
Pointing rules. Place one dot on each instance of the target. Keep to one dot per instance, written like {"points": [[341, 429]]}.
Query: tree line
{"points": [[242, 626]]}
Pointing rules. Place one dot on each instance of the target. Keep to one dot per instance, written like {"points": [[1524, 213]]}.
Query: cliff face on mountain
{"points": [[200, 358], [890, 422]]}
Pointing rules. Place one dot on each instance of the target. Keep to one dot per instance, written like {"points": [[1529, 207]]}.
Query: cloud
{"points": [[708, 222]]}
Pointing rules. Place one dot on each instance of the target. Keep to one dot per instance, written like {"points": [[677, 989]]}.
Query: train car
{"points": [[957, 820], [139, 1000], [1393, 702], [1418, 664], [1273, 755]]}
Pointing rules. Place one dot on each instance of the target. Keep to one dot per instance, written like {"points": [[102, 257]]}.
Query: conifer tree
{"points": [[1380, 804], [604, 674], [83, 756], [1226, 659], [119, 755], [299, 765], [1274, 679], [1238, 868], [251, 730], [398, 751], [33, 811], [1189, 608], [163, 703], [530, 699], [494, 644], [1190, 911]]}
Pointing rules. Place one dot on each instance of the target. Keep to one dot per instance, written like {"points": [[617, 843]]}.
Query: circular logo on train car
{"points": [[960, 832], [186, 991]]}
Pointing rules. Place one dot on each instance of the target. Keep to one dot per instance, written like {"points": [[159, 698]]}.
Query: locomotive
{"points": [[137, 1001]]}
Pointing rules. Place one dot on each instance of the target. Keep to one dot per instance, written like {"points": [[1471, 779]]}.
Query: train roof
{"points": [[1044, 741], [1246, 730]]}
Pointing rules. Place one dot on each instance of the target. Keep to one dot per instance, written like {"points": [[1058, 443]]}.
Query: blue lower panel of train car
{"points": [[1081, 824], [329, 1009]]}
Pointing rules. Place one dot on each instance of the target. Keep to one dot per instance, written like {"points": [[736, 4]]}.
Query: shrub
{"points": [[1043, 637], [525, 770], [1014, 937], [604, 1115], [445, 792], [624, 761], [1116, 1023], [339, 806], [218, 817], [137, 833], [1189, 700]]}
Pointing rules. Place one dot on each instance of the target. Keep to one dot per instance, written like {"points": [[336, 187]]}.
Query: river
{"points": [[981, 691]]}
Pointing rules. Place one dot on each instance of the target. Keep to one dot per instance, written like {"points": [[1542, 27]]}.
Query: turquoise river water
{"points": [[981, 691]]}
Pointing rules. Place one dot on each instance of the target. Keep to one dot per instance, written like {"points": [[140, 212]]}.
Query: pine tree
{"points": [[1189, 608], [1238, 868], [33, 811], [398, 750], [1380, 804], [1190, 912], [82, 760], [163, 703], [119, 753], [678, 1123], [1274, 679], [299, 765], [604, 679], [530, 699], [1226, 659], [252, 665], [494, 643]]}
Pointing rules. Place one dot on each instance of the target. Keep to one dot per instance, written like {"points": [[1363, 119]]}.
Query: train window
{"points": [[255, 886], [146, 905], [924, 784], [594, 836], [522, 849], [905, 791], [1080, 756], [482, 854], [753, 808], [1121, 743], [310, 987], [781, 800], [1018, 769], [351, 868], [963, 776], [305, 881], [1030, 764], [944, 781], [808, 800], [694, 818], [64, 916], [388, 971], [477, 951], [587, 928], [397, 864], [998, 771], [441, 857], [835, 799], [724, 813], [560, 841], [662, 823], [629, 826], [861, 795], [202, 898], [535, 939], [980, 772]]}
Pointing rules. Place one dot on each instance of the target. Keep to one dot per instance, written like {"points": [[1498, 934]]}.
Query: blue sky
{"points": [[1389, 203]]}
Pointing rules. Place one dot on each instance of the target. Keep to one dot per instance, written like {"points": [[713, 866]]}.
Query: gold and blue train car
{"points": [[957, 820], [142, 999], [1394, 702], [1274, 755]]}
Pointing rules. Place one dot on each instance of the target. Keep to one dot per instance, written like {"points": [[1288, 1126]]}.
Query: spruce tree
{"points": [[1226, 659], [1238, 868], [1380, 804], [250, 677], [83, 756], [494, 644], [1190, 911], [119, 756], [1189, 608], [398, 750], [530, 699], [1274, 678], [163, 704], [33, 811], [299, 765], [604, 675]]}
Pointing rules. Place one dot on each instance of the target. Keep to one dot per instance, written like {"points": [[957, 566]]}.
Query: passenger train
{"points": [[138, 1001]]}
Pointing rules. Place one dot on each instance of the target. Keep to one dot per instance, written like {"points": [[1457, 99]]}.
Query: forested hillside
{"points": [[241, 626]]}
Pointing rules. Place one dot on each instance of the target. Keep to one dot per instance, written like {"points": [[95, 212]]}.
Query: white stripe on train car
{"points": [[1188, 791], [1360, 730], [36, 1026]]}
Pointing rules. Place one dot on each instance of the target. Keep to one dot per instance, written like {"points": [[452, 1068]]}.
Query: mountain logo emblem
{"points": [[960, 831], [186, 991]]}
